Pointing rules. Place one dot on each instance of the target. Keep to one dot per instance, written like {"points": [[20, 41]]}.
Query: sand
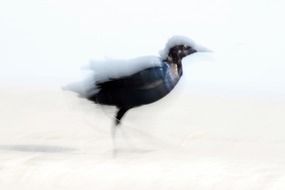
{"points": [[50, 139]]}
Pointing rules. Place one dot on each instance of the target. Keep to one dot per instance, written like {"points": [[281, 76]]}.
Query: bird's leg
{"points": [[121, 112], [119, 115], [113, 133]]}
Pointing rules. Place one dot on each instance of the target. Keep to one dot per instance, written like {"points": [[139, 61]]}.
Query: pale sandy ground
{"points": [[50, 139]]}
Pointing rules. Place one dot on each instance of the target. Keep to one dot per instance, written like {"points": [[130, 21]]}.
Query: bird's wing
{"points": [[146, 78], [115, 73]]}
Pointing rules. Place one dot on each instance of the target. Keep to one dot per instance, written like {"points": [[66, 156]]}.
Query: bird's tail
{"points": [[84, 88]]}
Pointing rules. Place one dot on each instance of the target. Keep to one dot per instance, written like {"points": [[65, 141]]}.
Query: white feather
{"points": [[107, 69]]}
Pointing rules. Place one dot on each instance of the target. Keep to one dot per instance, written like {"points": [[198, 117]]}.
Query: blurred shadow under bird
{"points": [[132, 83]]}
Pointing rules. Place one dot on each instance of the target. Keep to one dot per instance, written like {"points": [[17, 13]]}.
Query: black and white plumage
{"points": [[143, 80]]}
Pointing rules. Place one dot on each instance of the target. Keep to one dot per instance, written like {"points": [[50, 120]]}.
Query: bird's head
{"points": [[178, 52], [179, 47]]}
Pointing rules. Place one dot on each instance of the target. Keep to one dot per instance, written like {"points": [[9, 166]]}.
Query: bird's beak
{"points": [[202, 49]]}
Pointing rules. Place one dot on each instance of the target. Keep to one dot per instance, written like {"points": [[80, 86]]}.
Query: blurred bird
{"points": [[151, 79]]}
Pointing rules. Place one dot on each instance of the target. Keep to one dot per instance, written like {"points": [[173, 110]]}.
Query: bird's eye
{"points": [[186, 47]]}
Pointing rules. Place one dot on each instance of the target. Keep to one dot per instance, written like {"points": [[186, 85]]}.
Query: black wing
{"points": [[140, 79], [125, 91]]}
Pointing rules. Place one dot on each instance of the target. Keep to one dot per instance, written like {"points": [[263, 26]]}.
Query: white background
{"points": [[47, 41]]}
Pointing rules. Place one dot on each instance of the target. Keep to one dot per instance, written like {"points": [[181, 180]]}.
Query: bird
{"points": [[143, 81]]}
